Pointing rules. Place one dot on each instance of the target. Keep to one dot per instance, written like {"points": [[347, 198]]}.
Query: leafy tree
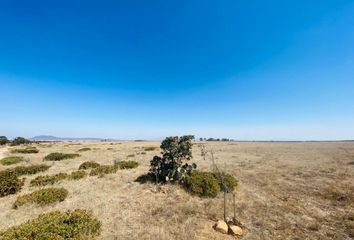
{"points": [[171, 166], [19, 141], [3, 140]]}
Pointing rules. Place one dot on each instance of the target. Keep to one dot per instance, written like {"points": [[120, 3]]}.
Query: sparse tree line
{"points": [[17, 141], [215, 139]]}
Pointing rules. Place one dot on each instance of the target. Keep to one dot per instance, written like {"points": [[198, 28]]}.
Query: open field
{"points": [[286, 191]]}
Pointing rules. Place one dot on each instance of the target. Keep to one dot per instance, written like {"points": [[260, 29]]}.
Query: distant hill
{"points": [[53, 138]]}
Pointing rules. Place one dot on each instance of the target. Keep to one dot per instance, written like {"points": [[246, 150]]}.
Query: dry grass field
{"points": [[286, 191]]}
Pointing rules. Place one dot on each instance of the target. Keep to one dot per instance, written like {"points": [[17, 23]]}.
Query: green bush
{"points": [[229, 181], [51, 179], [9, 183], [25, 150], [150, 148], [19, 140], [74, 225], [48, 180], [42, 197], [89, 165], [60, 156], [103, 169], [203, 184], [3, 140], [11, 160], [29, 170], [84, 149], [126, 164], [77, 175]]}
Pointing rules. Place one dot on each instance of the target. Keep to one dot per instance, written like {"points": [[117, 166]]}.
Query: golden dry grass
{"points": [[286, 191]]}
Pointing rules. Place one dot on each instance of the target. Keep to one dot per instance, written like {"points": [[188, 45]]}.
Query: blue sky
{"points": [[249, 70]]}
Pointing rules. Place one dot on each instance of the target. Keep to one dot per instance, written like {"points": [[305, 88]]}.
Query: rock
{"points": [[221, 226], [236, 230]]}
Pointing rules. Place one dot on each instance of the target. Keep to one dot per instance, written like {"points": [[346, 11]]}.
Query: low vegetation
{"points": [[126, 164], [207, 184], [226, 181], [25, 150], [56, 156], [84, 149], [11, 160], [9, 183], [51, 179], [74, 225], [103, 169], [150, 148], [203, 184], [9, 178], [42, 197], [76, 175], [29, 170], [89, 165]]}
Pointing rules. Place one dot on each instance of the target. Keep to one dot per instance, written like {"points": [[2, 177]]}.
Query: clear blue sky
{"points": [[253, 70]]}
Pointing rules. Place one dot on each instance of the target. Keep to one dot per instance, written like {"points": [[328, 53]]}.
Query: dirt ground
{"points": [[286, 191]]}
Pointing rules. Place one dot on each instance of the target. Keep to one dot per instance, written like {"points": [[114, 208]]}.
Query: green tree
{"points": [[19, 141], [171, 166], [3, 140]]}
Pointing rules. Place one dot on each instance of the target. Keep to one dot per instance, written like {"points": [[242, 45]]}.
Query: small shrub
{"points": [[150, 148], [25, 150], [9, 183], [77, 175], [103, 169], [60, 156], [19, 140], [74, 225], [126, 164], [84, 149], [143, 153], [89, 165], [42, 197], [11, 160], [51, 179], [229, 181], [130, 156], [48, 180], [203, 184], [29, 170]]}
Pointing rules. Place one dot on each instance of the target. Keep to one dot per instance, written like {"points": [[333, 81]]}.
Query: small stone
{"points": [[236, 230], [221, 226]]}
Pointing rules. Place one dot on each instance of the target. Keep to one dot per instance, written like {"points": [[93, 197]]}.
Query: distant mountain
{"points": [[53, 138]]}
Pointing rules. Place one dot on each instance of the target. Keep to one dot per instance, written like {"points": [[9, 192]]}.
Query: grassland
{"points": [[286, 191]]}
